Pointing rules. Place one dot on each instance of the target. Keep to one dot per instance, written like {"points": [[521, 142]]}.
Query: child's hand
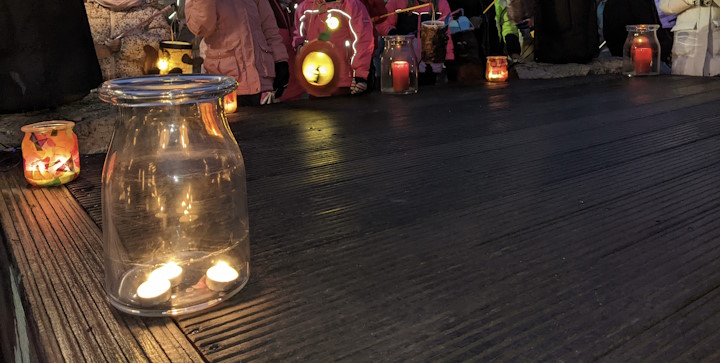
{"points": [[282, 77], [358, 86]]}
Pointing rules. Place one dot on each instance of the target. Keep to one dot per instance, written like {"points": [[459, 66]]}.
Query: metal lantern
{"points": [[50, 153], [174, 204], [318, 68]]}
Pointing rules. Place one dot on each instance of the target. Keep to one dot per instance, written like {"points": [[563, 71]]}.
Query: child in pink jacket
{"points": [[242, 41], [407, 23], [352, 33]]}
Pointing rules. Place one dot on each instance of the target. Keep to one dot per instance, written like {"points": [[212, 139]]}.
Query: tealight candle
{"points": [[220, 277], [170, 271], [154, 291]]}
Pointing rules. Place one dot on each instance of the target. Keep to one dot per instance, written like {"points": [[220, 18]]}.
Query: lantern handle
{"points": [[398, 11]]}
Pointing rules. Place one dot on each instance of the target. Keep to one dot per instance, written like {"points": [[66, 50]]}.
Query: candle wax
{"points": [[642, 60], [400, 76]]}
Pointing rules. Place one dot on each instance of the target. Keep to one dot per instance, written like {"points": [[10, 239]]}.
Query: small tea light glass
{"points": [[50, 153], [175, 57], [496, 70]]}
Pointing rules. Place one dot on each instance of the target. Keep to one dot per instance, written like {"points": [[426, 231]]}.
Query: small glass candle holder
{"points": [[641, 52], [398, 66], [174, 203], [175, 57], [50, 153], [496, 69]]}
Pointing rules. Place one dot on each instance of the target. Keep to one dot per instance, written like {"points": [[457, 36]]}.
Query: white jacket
{"points": [[696, 52]]}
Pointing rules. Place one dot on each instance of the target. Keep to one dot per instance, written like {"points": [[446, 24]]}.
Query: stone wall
{"points": [[105, 23]]}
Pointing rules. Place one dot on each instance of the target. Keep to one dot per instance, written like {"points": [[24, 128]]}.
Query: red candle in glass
{"points": [[642, 55], [401, 76]]}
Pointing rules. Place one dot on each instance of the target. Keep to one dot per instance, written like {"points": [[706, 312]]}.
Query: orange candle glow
{"points": [[496, 69], [50, 153], [231, 102]]}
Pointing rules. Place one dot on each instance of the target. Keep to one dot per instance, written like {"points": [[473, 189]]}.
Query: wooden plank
{"points": [[562, 220], [58, 249]]}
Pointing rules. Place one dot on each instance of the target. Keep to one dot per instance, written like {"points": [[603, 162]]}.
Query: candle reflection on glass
{"points": [[221, 277], [400, 76], [230, 102]]}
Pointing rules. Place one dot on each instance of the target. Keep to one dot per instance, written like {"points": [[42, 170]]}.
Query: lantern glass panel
{"points": [[174, 204]]}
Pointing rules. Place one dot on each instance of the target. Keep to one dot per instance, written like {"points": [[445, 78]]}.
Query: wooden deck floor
{"points": [[572, 220]]}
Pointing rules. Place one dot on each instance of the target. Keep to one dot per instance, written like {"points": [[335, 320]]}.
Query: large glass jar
{"points": [[174, 203], [399, 65], [641, 52]]}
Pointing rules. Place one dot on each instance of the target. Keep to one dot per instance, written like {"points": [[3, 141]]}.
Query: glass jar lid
{"points": [[168, 90], [398, 39], [642, 27]]}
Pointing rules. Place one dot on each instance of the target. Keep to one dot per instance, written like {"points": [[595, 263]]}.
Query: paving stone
{"points": [[533, 70]]}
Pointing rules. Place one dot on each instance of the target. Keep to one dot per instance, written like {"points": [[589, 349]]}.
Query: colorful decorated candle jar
{"points": [[496, 69], [50, 153]]}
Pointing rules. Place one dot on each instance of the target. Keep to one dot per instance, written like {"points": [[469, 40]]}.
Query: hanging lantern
{"points": [[50, 153], [318, 68], [175, 57], [175, 222], [496, 69], [230, 102]]}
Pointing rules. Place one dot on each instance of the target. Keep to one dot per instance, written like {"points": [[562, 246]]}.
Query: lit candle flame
{"points": [[153, 288]]}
